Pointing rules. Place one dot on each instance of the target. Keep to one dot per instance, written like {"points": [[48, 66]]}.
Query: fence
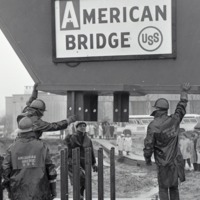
{"points": [[88, 179], [64, 172]]}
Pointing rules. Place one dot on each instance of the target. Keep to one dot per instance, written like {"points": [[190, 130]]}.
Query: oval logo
{"points": [[150, 38]]}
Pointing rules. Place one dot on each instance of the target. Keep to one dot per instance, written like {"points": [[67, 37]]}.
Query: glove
{"points": [[95, 168], [35, 91], [148, 161], [53, 189], [35, 86], [34, 95], [72, 119]]}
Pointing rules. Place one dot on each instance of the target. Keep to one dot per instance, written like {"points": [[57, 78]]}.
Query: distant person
{"points": [[162, 140], [128, 141], [115, 130], [195, 136], [35, 109], [198, 152], [112, 130], [100, 131], [120, 144], [91, 130], [80, 140], [193, 153], [185, 147], [107, 130], [28, 170], [103, 124], [96, 130]]}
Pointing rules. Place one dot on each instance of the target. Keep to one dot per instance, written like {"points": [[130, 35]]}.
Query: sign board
{"points": [[86, 30], [31, 38]]}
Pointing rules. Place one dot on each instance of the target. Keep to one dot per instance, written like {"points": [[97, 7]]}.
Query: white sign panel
{"points": [[113, 29]]}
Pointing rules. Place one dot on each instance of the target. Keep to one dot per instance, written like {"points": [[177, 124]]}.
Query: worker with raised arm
{"points": [[162, 140], [35, 109]]}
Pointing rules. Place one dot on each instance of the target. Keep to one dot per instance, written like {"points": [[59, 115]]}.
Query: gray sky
{"points": [[13, 75]]}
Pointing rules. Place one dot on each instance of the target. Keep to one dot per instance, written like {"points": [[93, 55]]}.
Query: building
{"points": [[57, 106]]}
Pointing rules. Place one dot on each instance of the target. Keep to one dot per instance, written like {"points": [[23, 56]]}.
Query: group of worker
{"points": [[28, 170]]}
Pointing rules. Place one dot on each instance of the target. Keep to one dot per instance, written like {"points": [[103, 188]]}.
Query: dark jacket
{"points": [[162, 140], [28, 169], [40, 126], [82, 141]]}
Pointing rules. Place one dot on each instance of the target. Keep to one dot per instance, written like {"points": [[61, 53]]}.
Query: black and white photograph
{"points": [[99, 99]]}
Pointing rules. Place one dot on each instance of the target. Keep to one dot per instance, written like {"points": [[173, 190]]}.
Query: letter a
{"points": [[69, 16]]}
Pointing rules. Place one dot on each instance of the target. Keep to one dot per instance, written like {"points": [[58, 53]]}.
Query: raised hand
{"points": [[186, 87]]}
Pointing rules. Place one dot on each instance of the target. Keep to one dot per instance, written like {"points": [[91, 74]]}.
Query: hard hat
{"points": [[25, 125], [162, 104], [80, 122], [38, 104]]}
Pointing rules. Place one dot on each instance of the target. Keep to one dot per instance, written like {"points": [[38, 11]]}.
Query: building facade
{"points": [[57, 106]]}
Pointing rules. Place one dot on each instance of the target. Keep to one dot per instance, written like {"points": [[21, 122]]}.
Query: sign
{"points": [[113, 29], [26, 161]]}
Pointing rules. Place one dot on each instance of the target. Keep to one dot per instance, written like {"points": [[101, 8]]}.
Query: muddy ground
{"points": [[131, 181]]}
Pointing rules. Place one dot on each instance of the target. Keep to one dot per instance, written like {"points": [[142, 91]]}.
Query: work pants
{"points": [[82, 180], [195, 166], [171, 193]]}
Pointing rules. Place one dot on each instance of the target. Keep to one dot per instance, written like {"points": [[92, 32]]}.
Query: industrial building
{"points": [[57, 106]]}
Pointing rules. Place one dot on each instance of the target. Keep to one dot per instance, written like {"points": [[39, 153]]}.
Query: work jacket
{"points": [[28, 169], [40, 126], [82, 141], [79, 140], [162, 140]]}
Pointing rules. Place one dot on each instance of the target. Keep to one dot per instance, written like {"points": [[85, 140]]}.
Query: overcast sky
{"points": [[13, 75]]}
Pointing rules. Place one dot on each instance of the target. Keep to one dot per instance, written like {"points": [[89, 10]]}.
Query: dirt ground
{"points": [[131, 181]]}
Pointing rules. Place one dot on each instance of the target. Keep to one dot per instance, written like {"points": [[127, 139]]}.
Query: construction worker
{"points": [[35, 109], [81, 140], [28, 170], [162, 140]]}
